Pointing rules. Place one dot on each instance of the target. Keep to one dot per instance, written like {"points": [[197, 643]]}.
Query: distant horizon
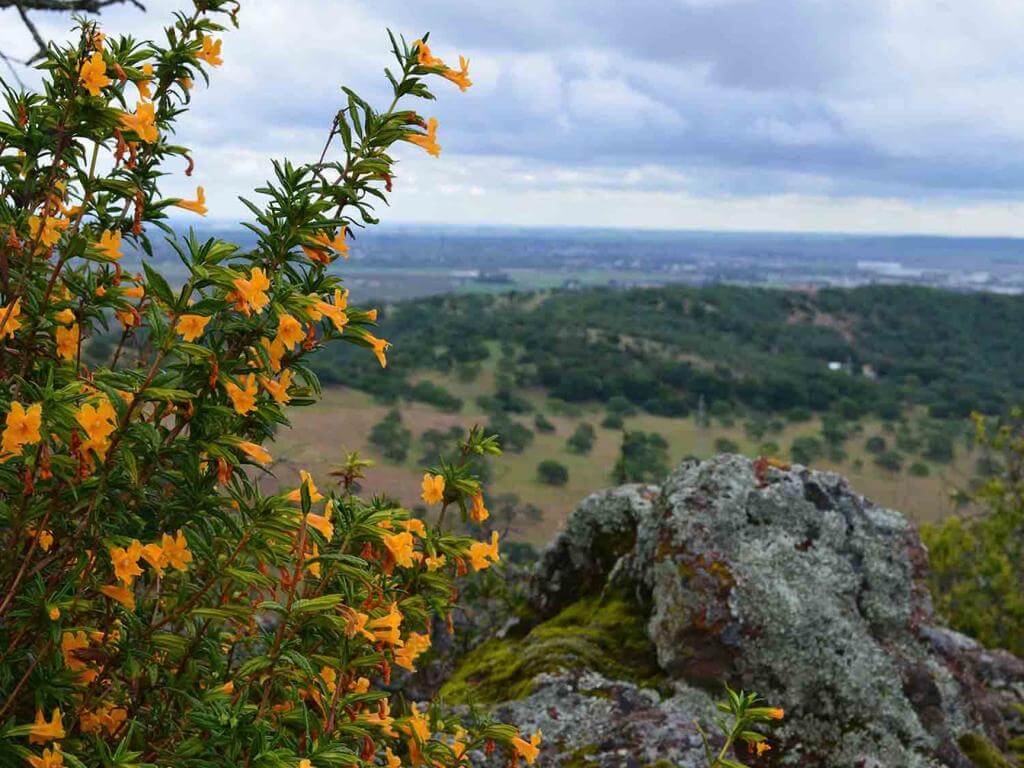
{"points": [[386, 227]]}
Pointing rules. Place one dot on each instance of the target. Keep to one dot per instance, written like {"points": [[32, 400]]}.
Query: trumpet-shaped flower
{"points": [[482, 554], [43, 732], [210, 52], [142, 122], [9, 322], [196, 206], [252, 291], [93, 74], [109, 244], [22, 427], [400, 546], [125, 561], [432, 489], [528, 750], [428, 140], [191, 327], [243, 398]]}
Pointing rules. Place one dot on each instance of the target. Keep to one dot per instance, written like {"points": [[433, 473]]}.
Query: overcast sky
{"points": [[851, 115]]}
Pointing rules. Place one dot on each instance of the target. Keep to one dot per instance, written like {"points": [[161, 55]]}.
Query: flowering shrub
{"points": [[156, 607], [744, 712]]}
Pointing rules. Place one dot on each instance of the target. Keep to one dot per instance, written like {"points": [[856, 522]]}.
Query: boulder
{"points": [[774, 579]]}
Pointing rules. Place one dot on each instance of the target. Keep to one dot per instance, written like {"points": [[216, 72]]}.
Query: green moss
{"points": [[580, 758], [981, 752], [607, 635]]}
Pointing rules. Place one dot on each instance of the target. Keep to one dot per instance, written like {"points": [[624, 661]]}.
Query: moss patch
{"points": [[981, 752], [604, 634]]}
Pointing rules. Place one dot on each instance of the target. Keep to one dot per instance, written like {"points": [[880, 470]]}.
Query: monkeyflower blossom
{"points": [[191, 327], [459, 76], [243, 399], [432, 488], [9, 322], [196, 206], [334, 312], [322, 523], [43, 732], [67, 342], [278, 389], [142, 122], [123, 595], [385, 628], [143, 85], [125, 561], [176, 551], [478, 512], [98, 421], [51, 758], [314, 494], [47, 230], [481, 554], [380, 347], [210, 52], [252, 291], [289, 331], [22, 427], [528, 750], [255, 452], [400, 546], [93, 74], [428, 140], [415, 644], [110, 244]]}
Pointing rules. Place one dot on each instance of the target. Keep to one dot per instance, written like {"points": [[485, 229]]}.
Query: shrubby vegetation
{"points": [[977, 561], [733, 348], [156, 607]]}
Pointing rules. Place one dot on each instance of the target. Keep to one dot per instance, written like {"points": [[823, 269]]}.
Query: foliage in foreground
{"points": [[977, 570], [156, 607]]}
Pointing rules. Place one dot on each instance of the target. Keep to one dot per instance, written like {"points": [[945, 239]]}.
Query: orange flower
{"points": [[322, 523], [196, 206], [142, 122], [42, 731], [65, 316], [51, 758], [125, 561], [481, 554], [478, 512], [110, 244], [528, 750], [424, 57], [98, 421], [155, 556], [278, 389], [428, 140], [289, 331], [432, 488], [336, 243], [143, 85], [776, 713], [191, 327], [460, 76], [314, 494], [210, 52], [255, 452], [252, 292], [67, 342], [762, 747], [433, 563], [385, 628], [93, 74], [176, 551], [244, 400], [47, 231], [415, 644], [393, 760], [9, 318], [45, 538], [417, 725], [380, 346], [22, 427], [400, 546], [334, 312]]}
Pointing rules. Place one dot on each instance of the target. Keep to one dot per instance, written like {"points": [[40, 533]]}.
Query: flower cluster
{"points": [[155, 600]]}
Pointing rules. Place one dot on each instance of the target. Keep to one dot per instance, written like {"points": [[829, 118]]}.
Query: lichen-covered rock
{"points": [[780, 580], [596, 536], [589, 720]]}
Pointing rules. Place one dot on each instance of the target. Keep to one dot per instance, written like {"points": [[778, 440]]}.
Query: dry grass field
{"points": [[343, 420]]}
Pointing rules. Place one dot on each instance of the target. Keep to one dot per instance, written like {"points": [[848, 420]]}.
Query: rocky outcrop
{"points": [[775, 579]]}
